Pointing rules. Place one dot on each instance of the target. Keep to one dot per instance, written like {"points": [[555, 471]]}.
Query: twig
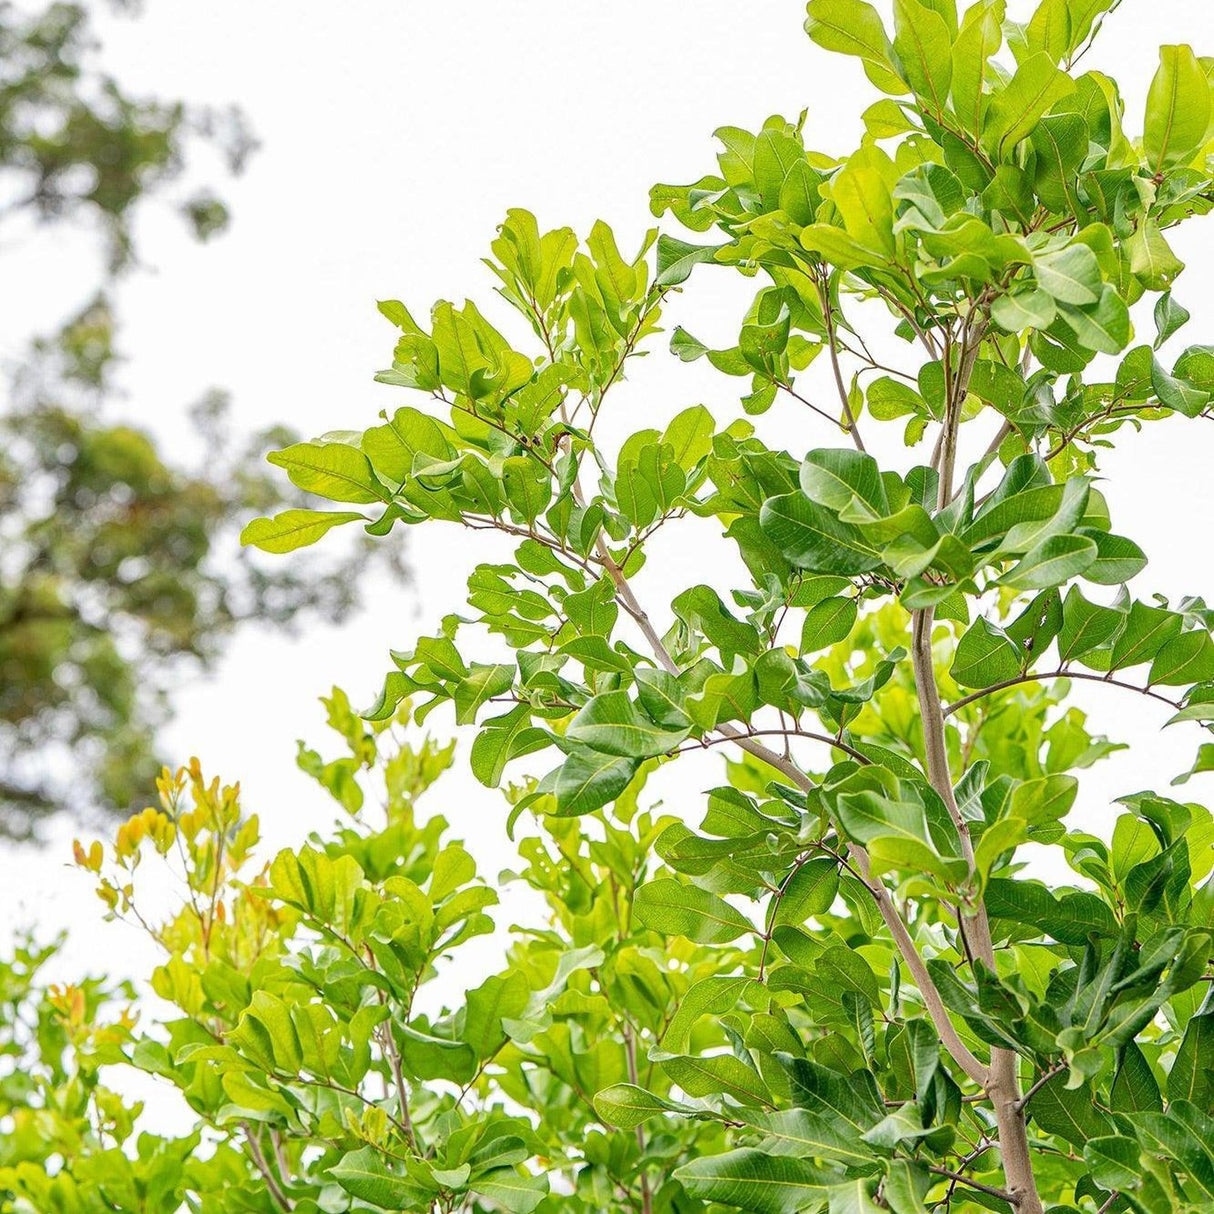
{"points": [[1002, 1194], [1041, 677], [259, 1161], [1056, 1069], [833, 349]]}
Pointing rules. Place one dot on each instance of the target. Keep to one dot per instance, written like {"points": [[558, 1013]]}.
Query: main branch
{"points": [[1002, 1084]]}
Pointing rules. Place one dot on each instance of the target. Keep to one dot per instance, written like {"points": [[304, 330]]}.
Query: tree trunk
{"points": [[1003, 1086]]}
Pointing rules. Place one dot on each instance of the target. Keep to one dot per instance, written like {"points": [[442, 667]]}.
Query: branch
{"points": [[809, 735], [949, 1037], [630, 1050], [951, 1040], [1002, 1194], [259, 1160], [1056, 1069], [1062, 673], [834, 421], [832, 346]]}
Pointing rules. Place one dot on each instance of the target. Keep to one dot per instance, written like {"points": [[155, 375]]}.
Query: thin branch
{"points": [[834, 421], [1041, 677], [1002, 1194], [1056, 1069], [259, 1161], [833, 350], [630, 1050], [809, 735], [949, 1036]]}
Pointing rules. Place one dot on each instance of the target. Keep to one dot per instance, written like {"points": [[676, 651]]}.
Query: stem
{"points": [[834, 742], [1002, 1083], [951, 1040], [1031, 677], [259, 1161], [398, 1078], [1002, 1194], [949, 1036], [630, 1050], [1057, 1068], [832, 345]]}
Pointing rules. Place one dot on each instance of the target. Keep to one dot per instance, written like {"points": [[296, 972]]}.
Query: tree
{"points": [[846, 990], [120, 563]]}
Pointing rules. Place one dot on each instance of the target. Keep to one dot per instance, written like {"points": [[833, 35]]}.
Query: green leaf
{"points": [[500, 996], [861, 191], [1152, 261], [1147, 630], [1052, 563], [1068, 1112], [674, 909], [715, 1075], [1170, 317], [626, 1106], [1086, 626], [590, 779], [1103, 326], [1071, 275], [1184, 1134], [1115, 1161], [985, 656], [364, 1174], [334, 470], [500, 739], [852, 27], [511, 1190], [613, 723], [293, 529], [392, 447], [713, 996], [851, 1102], [1117, 560], [811, 890], [322, 886], [1015, 110], [528, 486], [689, 436], [827, 623], [751, 1180], [980, 37], [812, 537], [1185, 659], [1178, 109], [1032, 309], [924, 48], [1192, 1073], [677, 259], [833, 477]]}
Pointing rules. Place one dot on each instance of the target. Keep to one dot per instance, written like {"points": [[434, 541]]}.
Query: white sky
{"points": [[395, 135]]}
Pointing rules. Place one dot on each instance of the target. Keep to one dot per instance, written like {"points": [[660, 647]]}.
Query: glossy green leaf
{"points": [[675, 909]]}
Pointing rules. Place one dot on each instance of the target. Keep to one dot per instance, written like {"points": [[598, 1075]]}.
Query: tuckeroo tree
{"points": [[845, 990]]}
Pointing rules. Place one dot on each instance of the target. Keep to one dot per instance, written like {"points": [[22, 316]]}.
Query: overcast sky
{"points": [[394, 136]]}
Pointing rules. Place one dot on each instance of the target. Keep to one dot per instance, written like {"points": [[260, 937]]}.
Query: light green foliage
{"points": [[914, 1021], [833, 982], [341, 1044]]}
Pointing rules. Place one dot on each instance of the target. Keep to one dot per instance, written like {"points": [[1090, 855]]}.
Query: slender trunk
{"points": [[1003, 1082], [630, 1049], [1003, 1085]]}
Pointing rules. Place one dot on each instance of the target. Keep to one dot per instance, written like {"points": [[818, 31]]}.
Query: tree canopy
{"points": [[839, 984]]}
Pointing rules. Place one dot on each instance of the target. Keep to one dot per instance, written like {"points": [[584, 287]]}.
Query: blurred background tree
{"points": [[118, 566]]}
